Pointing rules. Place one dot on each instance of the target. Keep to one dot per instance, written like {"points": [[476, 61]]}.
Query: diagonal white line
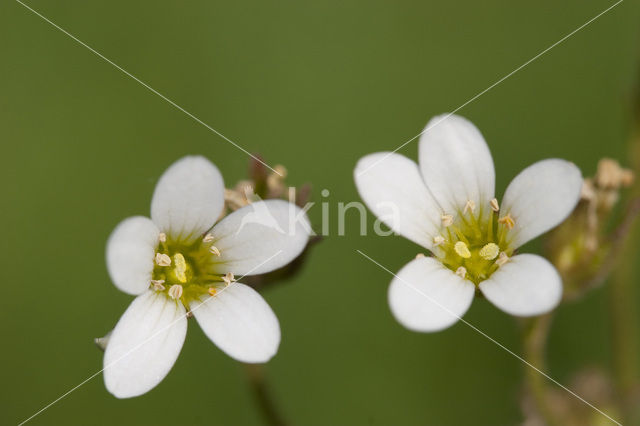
{"points": [[135, 348], [491, 87], [417, 290], [148, 87]]}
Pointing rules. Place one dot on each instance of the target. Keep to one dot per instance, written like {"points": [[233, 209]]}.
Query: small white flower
{"points": [[447, 205], [176, 261]]}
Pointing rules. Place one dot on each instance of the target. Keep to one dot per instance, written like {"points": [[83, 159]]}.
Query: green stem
{"points": [[261, 392], [623, 298], [535, 336]]}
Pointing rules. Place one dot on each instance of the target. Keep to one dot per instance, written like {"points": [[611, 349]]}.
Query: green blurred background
{"points": [[313, 86]]}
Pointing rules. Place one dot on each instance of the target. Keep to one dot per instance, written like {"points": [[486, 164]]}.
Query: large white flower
{"points": [[176, 262], [447, 205]]}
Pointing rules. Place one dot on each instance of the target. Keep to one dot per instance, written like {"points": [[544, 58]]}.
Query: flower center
{"points": [[186, 272], [473, 241]]}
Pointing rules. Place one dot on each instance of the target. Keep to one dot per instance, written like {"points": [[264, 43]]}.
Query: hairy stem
{"points": [[262, 394], [535, 336]]}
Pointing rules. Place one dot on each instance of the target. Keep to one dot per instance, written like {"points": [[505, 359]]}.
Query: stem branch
{"points": [[261, 392], [535, 336]]}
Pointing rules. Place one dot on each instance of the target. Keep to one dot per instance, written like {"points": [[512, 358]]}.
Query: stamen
{"points": [[507, 221], [489, 251], [175, 292], [181, 267], [214, 250], [447, 220], [163, 259], [420, 256], [162, 237], [502, 259], [228, 279], [462, 250], [461, 272], [470, 206], [208, 238], [157, 285], [212, 291], [494, 205], [437, 240]]}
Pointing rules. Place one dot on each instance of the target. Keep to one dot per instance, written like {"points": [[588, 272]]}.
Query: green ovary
{"points": [[190, 268], [476, 243]]}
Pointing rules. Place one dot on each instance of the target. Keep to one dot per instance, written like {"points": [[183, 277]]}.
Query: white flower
{"points": [[174, 262], [447, 205]]}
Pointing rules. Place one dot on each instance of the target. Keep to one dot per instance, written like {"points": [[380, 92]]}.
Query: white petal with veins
{"points": [[188, 198], [260, 237], [526, 285], [144, 345], [392, 187], [426, 296], [130, 254], [541, 197], [239, 321], [456, 163]]}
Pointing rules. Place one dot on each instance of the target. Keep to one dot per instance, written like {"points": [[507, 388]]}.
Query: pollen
{"points": [[447, 220], [162, 237], [437, 240], [180, 268], [157, 285], [175, 292], [502, 259], [470, 206], [507, 221], [420, 256], [228, 279], [163, 259], [214, 250], [212, 291], [208, 238], [461, 272], [489, 251], [462, 250], [494, 205]]}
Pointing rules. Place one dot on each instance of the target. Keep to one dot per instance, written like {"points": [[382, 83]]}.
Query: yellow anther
{"points": [[470, 206], [214, 250], [157, 285], [462, 250], [447, 220], [180, 268], [162, 237], [212, 291], [489, 251], [437, 240], [494, 205], [228, 279], [175, 292], [208, 238], [163, 259], [461, 272], [502, 259], [507, 221]]}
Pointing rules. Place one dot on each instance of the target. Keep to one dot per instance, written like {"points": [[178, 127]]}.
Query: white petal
{"points": [[456, 163], [240, 322], [144, 345], [130, 252], [188, 198], [541, 197], [392, 187], [260, 237], [526, 285], [426, 296]]}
